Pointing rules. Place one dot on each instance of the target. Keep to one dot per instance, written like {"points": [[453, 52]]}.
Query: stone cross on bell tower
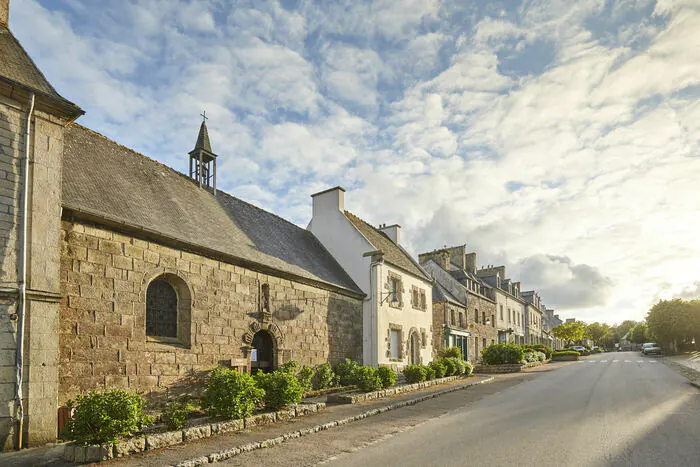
{"points": [[203, 160]]}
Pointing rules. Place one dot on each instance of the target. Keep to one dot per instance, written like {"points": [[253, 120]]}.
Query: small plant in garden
{"points": [[429, 372], [324, 377], [499, 354], [231, 394], [451, 352], [414, 373], [367, 379], [450, 366], [438, 367], [468, 368], [100, 417], [291, 367], [175, 414], [387, 376], [459, 364], [346, 372], [280, 389]]}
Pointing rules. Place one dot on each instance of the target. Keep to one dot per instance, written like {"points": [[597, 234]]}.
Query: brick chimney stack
{"points": [[4, 12]]}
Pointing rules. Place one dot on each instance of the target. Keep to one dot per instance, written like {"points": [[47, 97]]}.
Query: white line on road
{"points": [[640, 361], [628, 361], [615, 361], [603, 361]]}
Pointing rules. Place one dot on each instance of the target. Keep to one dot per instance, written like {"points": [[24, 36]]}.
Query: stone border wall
{"points": [[148, 442], [510, 368], [354, 398]]}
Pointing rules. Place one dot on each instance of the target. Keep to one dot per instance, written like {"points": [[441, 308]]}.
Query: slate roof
{"points": [[441, 294], [17, 67], [105, 179], [393, 254]]}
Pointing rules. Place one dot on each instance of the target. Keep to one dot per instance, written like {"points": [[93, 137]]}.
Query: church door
{"points": [[261, 357]]}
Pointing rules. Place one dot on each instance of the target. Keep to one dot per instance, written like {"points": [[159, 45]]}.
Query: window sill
{"points": [[164, 343]]}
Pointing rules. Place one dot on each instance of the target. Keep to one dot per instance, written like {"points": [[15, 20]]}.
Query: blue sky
{"points": [[559, 138]]}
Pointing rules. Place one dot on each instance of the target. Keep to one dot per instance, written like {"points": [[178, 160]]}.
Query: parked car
{"points": [[578, 348], [650, 348]]}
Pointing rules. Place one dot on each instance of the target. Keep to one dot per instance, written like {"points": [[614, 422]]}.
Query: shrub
{"points": [[230, 394], [451, 352], [429, 372], [387, 376], [541, 356], [565, 355], [346, 372], [468, 368], [530, 356], [450, 366], [499, 354], [367, 379], [291, 367], [324, 377], [281, 388], [459, 364], [175, 414], [101, 417], [414, 373], [439, 367], [305, 377], [540, 348]]}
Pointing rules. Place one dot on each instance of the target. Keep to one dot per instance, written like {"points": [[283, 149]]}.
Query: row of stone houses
{"points": [[118, 271]]}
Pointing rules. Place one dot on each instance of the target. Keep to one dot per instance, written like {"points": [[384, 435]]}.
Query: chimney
{"points": [[458, 255], [4, 12], [393, 231], [328, 201], [441, 257], [470, 262]]}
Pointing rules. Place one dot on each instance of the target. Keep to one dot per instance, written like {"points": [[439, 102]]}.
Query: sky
{"points": [[558, 138]]}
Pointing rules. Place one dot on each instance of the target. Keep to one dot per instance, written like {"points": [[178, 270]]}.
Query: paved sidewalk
{"points": [[687, 364]]}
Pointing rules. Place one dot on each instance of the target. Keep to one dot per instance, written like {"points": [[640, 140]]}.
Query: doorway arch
{"points": [[414, 348], [263, 352]]}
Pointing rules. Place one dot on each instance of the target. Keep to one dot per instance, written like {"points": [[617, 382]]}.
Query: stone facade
{"points": [[40, 377], [450, 328], [483, 334], [103, 342]]}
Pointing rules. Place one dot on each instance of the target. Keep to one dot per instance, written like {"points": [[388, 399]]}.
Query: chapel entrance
{"points": [[262, 353], [413, 349]]}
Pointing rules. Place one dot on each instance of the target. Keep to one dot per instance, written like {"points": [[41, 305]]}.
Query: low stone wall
{"points": [[510, 368], [151, 441], [565, 358], [355, 397]]}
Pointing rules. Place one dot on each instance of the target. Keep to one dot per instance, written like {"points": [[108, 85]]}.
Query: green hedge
{"points": [[281, 388], [565, 355], [345, 372], [387, 376], [501, 354], [415, 373]]}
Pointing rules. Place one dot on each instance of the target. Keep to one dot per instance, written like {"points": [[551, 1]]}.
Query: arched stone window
{"points": [[161, 309], [168, 310]]}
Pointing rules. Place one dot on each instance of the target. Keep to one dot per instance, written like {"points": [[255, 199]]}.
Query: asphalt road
{"points": [[615, 409]]}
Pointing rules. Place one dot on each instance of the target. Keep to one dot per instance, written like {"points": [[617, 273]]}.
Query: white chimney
{"points": [[393, 231], [327, 201]]}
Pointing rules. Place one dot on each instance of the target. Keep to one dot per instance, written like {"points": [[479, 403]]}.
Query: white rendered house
{"points": [[397, 312]]}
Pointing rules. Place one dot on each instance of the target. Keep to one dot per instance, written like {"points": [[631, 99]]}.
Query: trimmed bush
{"points": [[468, 368], [281, 388], [291, 367], [451, 352], [540, 348], [565, 355], [324, 377], [530, 356], [231, 394], [450, 366], [367, 379], [414, 373], [541, 356], [100, 417], [346, 372], [459, 363], [429, 372], [500, 354], [439, 367], [305, 377], [387, 376], [175, 414]]}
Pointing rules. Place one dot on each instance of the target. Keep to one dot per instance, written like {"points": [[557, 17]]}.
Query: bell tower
{"points": [[203, 160]]}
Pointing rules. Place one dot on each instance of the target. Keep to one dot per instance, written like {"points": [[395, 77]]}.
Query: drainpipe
{"points": [[22, 306]]}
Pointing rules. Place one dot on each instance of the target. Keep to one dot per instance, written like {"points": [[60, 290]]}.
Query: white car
{"points": [[651, 347], [578, 348]]}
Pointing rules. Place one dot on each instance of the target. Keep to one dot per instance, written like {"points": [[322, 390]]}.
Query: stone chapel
{"points": [[118, 271]]}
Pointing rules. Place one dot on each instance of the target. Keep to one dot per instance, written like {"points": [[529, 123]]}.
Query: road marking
{"points": [[651, 361], [640, 361], [628, 361], [615, 361], [603, 361]]}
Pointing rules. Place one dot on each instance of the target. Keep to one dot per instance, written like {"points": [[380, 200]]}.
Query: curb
{"points": [[232, 452]]}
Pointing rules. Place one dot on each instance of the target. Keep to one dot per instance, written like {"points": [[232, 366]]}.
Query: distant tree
{"points": [[675, 322], [639, 334], [597, 332], [571, 332], [624, 327]]}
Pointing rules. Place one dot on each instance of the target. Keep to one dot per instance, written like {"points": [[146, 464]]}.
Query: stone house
{"points": [[126, 273], [509, 305], [533, 317], [397, 313], [549, 322], [479, 308]]}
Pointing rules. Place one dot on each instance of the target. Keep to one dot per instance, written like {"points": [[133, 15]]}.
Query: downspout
{"points": [[22, 306]]}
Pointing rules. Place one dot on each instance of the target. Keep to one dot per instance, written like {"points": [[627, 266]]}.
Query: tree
{"points": [[597, 332], [571, 332], [624, 327], [639, 334], [675, 322]]}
